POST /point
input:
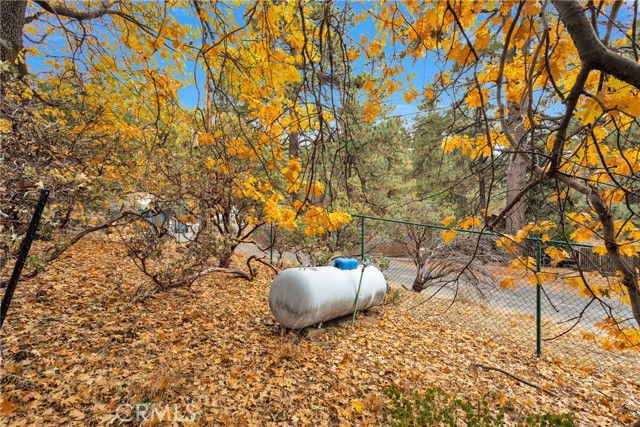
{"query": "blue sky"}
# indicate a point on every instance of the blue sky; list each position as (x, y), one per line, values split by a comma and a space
(423, 69)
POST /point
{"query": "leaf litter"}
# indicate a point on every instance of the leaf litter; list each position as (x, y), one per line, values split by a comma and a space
(86, 339)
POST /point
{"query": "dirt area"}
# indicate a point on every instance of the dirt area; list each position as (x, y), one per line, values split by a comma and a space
(84, 343)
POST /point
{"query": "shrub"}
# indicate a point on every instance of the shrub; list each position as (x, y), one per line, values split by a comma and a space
(436, 408)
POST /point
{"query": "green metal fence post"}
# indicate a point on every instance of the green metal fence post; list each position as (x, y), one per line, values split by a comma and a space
(362, 239)
(271, 243)
(538, 299)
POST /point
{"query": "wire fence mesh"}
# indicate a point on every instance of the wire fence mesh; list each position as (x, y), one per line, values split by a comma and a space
(526, 295)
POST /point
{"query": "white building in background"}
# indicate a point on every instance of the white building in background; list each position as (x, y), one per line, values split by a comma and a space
(181, 231)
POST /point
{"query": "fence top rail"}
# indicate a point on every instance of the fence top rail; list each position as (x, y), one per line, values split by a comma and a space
(470, 231)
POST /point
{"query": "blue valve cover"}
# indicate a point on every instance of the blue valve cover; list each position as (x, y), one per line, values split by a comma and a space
(345, 263)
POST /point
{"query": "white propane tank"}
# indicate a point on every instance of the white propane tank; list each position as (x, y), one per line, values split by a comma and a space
(301, 297)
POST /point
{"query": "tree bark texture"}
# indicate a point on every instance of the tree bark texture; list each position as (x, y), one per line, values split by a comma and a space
(517, 172)
(12, 14)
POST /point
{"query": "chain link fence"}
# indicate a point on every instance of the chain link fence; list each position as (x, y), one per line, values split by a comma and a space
(525, 294)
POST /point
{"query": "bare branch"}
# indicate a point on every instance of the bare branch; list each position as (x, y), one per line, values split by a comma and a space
(517, 378)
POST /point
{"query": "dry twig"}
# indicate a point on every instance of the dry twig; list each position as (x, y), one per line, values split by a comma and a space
(517, 378)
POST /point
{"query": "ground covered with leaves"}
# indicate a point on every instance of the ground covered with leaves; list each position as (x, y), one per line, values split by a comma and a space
(85, 342)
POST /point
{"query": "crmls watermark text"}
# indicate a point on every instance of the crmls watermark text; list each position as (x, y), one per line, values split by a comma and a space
(151, 412)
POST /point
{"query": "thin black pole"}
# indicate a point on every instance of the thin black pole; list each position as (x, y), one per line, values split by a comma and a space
(22, 256)
(362, 239)
(271, 243)
(538, 299)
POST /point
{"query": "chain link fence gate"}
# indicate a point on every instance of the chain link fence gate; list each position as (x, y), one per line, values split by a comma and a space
(464, 277)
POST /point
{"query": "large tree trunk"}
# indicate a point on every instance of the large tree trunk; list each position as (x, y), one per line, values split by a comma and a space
(294, 151)
(294, 144)
(517, 172)
(516, 181)
(482, 194)
(482, 186)
(12, 13)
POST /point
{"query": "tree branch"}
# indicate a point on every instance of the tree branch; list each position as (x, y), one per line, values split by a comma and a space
(33, 17)
(87, 15)
(75, 239)
(517, 378)
(74, 14)
(591, 50)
